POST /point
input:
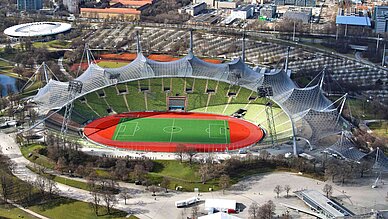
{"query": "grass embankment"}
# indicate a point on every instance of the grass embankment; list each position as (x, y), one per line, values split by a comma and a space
(54, 207)
(379, 128)
(9, 211)
(54, 44)
(31, 152)
(180, 174)
(68, 208)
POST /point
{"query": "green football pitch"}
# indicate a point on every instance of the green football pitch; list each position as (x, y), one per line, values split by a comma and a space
(172, 130)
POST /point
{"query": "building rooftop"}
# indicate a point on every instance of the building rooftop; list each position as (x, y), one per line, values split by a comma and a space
(193, 6)
(111, 10)
(132, 2)
(37, 29)
(353, 20)
(244, 8)
(313, 196)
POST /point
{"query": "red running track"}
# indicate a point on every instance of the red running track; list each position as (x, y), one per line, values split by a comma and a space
(242, 133)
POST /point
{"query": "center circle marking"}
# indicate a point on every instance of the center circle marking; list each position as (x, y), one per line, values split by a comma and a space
(172, 129)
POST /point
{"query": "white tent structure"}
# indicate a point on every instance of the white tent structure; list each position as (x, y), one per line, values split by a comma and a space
(219, 215)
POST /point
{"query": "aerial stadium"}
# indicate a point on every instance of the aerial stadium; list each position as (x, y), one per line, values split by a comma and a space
(156, 106)
(37, 29)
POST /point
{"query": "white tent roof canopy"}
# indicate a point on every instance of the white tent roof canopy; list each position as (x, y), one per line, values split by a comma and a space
(219, 215)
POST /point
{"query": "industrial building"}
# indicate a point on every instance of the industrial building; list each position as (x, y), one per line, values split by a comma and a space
(380, 18)
(131, 3)
(29, 5)
(243, 12)
(219, 3)
(322, 205)
(72, 6)
(301, 3)
(193, 10)
(124, 13)
(304, 14)
(268, 11)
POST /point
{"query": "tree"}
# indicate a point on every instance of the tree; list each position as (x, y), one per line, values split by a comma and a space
(154, 189)
(328, 190)
(264, 155)
(278, 189)
(194, 212)
(267, 210)
(40, 184)
(180, 152)
(204, 172)
(287, 188)
(61, 165)
(125, 195)
(95, 200)
(253, 210)
(109, 199)
(165, 183)
(51, 187)
(224, 182)
(138, 172)
(5, 184)
(190, 152)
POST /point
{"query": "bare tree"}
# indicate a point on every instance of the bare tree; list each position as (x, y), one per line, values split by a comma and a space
(253, 210)
(125, 195)
(278, 189)
(61, 165)
(224, 182)
(287, 188)
(267, 210)
(204, 172)
(328, 190)
(194, 212)
(51, 187)
(139, 172)
(264, 155)
(5, 184)
(190, 152)
(165, 183)
(109, 199)
(95, 200)
(180, 152)
(154, 189)
(40, 184)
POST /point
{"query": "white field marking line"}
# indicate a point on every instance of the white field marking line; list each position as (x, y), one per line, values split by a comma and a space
(173, 123)
(220, 126)
(118, 131)
(226, 136)
(137, 128)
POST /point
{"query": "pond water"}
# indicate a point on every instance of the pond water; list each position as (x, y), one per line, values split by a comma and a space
(6, 81)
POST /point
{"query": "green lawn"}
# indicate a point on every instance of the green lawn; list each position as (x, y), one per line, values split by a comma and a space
(13, 212)
(31, 153)
(180, 174)
(111, 64)
(379, 128)
(172, 130)
(67, 208)
(56, 44)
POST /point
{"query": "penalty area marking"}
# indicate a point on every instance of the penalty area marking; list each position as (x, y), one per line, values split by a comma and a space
(218, 130)
(133, 127)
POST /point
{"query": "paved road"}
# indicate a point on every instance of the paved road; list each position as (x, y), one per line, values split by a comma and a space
(359, 199)
(63, 70)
